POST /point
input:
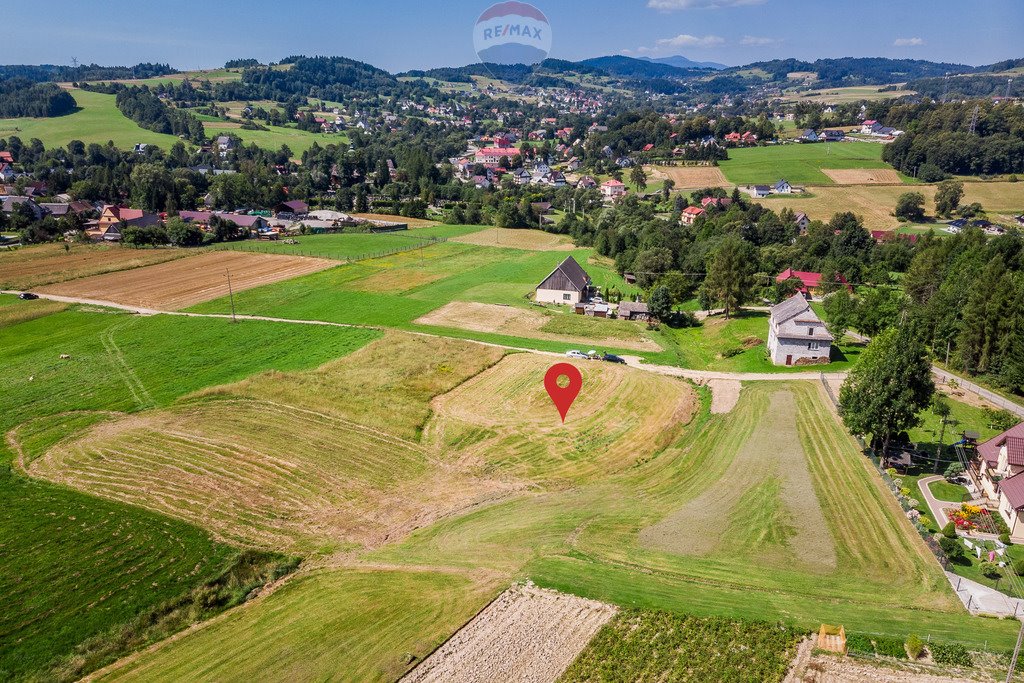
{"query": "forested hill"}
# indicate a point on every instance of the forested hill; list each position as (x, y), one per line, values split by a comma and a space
(22, 97)
(329, 78)
(848, 71)
(85, 72)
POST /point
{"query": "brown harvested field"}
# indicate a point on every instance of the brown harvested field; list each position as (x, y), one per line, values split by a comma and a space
(522, 322)
(812, 666)
(530, 240)
(411, 222)
(527, 634)
(768, 490)
(690, 176)
(863, 176)
(875, 203)
(185, 282)
(725, 394)
(45, 264)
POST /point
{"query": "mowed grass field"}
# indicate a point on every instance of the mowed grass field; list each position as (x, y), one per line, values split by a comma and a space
(799, 164)
(397, 290)
(579, 527)
(98, 120)
(341, 247)
(75, 566)
(298, 141)
(875, 203)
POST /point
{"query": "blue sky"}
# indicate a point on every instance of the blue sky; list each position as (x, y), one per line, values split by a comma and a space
(405, 34)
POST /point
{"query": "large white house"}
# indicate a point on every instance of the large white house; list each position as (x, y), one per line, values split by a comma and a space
(1000, 470)
(567, 284)
(796, 335)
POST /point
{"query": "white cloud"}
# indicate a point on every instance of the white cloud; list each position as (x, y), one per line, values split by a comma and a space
(908, 42)
(759, 41)
(665, 45)
(674, 5)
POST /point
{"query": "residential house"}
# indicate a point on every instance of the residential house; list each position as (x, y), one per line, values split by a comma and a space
(832, 135)
(555, 179)
(998, 471)
(613, 189)
(111, 220)
(691, 214)
(200, 219)
(802, 221)
(782, 187)
(586, 183)
(521, 176)
(810, 282)
(567, 284)
(226, 143)
(956, 227)
(717, 202)
(624, 162)
(10, 204)
(7, 173)
(809, 136)
(734, 138)
(869, 127)
(758, 191)
(492, 155)
(748, 138)
(6, 157)
(796, 335)
(573, 165)
(634, 310)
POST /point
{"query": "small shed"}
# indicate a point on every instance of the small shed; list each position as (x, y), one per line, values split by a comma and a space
(832, 639)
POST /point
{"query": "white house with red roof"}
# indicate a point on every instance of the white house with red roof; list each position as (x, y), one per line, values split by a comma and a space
(869, 126)
(1000, 469)
(613, 189)
(491, 155)
(691, 214)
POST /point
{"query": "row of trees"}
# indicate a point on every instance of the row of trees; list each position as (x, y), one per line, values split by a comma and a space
(21, 97)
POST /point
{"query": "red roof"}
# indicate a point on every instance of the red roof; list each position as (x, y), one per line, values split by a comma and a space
(611, 183)
(648, 147)
(1013, 487)
(498, 151)
(808, 279)
(1014, 440)
(693, 211)
(870, 122)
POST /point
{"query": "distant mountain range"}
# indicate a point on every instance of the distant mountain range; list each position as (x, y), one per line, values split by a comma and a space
(681, 62)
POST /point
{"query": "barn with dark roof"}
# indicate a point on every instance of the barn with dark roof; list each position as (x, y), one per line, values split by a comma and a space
(567, 284)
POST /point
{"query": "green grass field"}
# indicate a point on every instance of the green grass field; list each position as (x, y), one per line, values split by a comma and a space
(75, 566)
(298, 141)
(799, 164)
(342, 247)
(98, 120)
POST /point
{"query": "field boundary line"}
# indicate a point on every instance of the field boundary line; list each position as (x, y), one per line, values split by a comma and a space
(143, 398)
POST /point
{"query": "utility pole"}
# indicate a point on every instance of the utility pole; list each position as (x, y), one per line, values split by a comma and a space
(974, 118)
(231, 295)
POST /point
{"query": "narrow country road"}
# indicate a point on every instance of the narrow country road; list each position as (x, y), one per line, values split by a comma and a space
(933, 503)
(631, 361)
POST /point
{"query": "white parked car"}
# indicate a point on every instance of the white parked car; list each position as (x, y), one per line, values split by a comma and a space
(576, 354)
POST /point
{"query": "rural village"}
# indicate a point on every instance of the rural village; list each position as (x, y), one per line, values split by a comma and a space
(277, 338)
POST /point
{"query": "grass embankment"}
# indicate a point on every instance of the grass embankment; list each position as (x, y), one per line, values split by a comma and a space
(76, 567)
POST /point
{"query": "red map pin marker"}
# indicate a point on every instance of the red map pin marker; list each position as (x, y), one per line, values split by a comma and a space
(563, 397)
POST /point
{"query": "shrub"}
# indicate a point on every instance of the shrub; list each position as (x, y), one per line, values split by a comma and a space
(913, 502)
(1004, 538)
(949, 531)
(990, 569)
(891, 472)
(953, 471)
(952, 548)
(952, 654)
(915, 646)
(855, 642)
(890, 647)
(905, 492)
(1018, 567)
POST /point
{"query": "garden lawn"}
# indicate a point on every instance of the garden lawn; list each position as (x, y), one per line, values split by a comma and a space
(709, 347)
(798, 163)
(951, 493)
(74, 566)
(97, 120)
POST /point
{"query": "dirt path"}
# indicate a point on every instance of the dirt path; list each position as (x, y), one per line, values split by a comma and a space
(527, 634)
(725, 394)
(632, 361)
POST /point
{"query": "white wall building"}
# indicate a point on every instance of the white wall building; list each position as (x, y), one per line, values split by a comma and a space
(796, 334)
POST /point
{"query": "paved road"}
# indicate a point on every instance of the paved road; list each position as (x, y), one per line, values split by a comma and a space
(978, 598)
(933, 503)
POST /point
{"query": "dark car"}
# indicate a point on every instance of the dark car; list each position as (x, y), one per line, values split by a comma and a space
(28, 296)
(612, 358)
